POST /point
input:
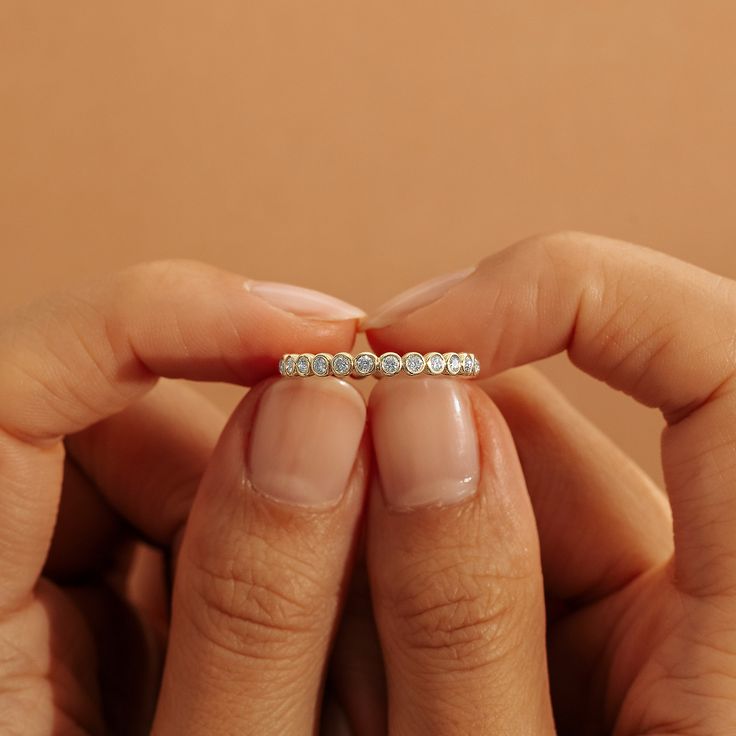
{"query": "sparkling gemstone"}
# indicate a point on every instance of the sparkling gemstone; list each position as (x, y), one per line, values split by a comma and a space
(435, 363)
(365, 364)
(414, 363)
(468, 364)
(302, 365)
(390, 364)
(320, 365)
(476, 367)
(453, 364)
(289, 366)
(282, 366)
(341, 365)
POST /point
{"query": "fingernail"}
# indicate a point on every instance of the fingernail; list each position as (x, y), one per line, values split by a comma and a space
(413, 299)
(303, 302)
(425, 441)
(305, 439)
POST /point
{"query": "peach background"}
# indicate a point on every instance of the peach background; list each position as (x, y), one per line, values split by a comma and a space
(360, 147)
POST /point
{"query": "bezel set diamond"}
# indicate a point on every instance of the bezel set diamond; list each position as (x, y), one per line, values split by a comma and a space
(367, 364)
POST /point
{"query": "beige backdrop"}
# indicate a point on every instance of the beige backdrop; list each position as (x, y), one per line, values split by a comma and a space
(360, 147)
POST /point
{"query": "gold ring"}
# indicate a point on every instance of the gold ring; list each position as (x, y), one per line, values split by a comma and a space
(362, 365)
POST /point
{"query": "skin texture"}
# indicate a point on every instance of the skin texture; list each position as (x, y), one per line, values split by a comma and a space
(565, 593)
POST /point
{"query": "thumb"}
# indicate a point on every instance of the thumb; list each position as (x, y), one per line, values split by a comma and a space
(262, 563)
(454, 565)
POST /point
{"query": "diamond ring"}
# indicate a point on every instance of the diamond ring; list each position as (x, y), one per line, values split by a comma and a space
(367, 364)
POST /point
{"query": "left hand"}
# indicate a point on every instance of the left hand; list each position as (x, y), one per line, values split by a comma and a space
(96, 454)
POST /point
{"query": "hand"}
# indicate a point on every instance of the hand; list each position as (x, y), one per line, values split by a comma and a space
(451, 538)
(257, 586)
(640, 633)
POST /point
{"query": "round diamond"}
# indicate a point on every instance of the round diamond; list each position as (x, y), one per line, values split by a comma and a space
(468, 364)
(435, 363)
(282, 366)
(414, 363)
(365, 364)
(320, 365)
(476, 367)
(390, 364)
(302, 365)
(341, 364)
(453, 364)
(289, 365)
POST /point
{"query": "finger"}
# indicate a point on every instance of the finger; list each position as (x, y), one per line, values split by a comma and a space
(603, 527)
(133, 476)
(76, 358)
(652, 326)
(263, 563)
(579, 479)
(146, 462)
(454, 565)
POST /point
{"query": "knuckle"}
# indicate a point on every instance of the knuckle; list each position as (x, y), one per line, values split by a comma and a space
(150, 276)
(155, 269)
(555, 248)
(261, 605)
(552, 265)
(138, 284)
(464, 616)
(559, 245)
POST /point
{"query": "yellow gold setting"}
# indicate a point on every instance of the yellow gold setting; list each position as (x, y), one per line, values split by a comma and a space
(364, 364)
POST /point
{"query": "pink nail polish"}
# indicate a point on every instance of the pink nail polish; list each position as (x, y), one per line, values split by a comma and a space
(305, 439)
(425, 441)
(303, 302)
(412, 299)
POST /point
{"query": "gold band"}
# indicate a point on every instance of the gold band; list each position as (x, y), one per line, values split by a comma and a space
(366, 364)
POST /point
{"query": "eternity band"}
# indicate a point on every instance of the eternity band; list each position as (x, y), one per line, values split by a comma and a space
(363, 365)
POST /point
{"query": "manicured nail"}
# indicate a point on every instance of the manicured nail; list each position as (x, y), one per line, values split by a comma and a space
(425, 441)
(305, 439)
(413, 299)
(303, 302)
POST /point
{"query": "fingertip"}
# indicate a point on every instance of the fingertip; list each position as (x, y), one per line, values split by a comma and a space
(213, 324)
